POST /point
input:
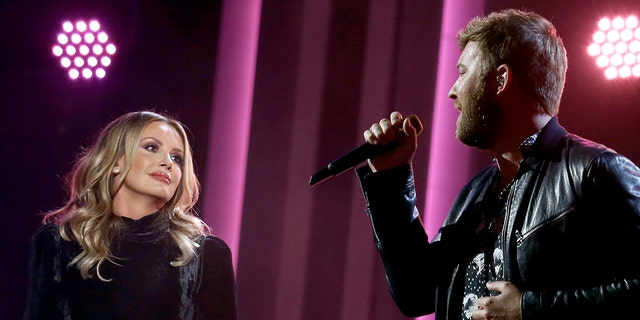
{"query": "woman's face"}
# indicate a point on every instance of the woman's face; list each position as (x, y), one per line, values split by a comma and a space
(156, 170)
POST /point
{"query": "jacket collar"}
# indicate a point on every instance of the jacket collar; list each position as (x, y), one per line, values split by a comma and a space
(543, 143)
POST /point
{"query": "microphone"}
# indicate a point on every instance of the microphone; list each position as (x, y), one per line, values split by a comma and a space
(358, 155)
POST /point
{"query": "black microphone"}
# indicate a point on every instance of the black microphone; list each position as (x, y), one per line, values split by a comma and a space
(358, 155)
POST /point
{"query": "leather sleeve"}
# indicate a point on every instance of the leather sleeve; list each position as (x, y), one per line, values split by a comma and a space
(400, 238)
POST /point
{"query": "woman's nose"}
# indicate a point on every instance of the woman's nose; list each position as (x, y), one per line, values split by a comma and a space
(165, 161)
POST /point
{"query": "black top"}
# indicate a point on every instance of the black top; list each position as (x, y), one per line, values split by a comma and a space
(143, 284)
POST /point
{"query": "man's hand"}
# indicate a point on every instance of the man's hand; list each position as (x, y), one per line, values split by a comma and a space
(504, 306)
(394, 129)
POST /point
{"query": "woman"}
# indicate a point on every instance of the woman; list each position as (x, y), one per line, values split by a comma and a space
(127, 244)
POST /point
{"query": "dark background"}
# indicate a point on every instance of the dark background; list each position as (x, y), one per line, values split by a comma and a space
(166, 62)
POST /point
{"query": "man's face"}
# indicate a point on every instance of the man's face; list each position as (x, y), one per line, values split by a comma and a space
(478, 114)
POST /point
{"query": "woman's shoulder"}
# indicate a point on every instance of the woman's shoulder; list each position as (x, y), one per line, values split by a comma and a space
(45, 240)
(47, 232)
(213, 246)
(214, 243)
(216, 259)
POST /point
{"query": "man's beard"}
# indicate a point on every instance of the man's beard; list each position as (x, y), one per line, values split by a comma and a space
(477, 120)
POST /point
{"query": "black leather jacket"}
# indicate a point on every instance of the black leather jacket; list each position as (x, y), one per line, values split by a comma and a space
(571, 231)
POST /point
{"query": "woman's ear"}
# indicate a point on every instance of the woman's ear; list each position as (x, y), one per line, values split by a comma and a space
(116, 169)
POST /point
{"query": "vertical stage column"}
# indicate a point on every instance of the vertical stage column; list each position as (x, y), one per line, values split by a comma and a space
(231, 120)
(449, 160)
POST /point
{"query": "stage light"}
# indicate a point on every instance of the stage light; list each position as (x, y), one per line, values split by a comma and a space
(615, 47)
(79, 47)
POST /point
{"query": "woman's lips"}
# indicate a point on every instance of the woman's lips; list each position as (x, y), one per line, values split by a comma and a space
(161, 176)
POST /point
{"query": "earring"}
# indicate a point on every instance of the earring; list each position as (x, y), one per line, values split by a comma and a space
(116, 170)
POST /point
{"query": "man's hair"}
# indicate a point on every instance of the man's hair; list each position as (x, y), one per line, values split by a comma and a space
(529, 44)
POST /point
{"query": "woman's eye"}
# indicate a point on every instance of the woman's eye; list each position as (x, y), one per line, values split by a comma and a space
(151, 147)
(177, 159)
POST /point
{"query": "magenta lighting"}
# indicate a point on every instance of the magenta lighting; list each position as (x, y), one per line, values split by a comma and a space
(616, 47)
(83, 49)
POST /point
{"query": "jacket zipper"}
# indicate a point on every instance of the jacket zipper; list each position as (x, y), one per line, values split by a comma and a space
(520, 237)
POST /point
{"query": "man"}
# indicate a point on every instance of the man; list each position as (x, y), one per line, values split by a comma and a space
(550, 230)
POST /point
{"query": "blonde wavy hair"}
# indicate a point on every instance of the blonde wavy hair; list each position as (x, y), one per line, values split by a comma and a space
(87, 216)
